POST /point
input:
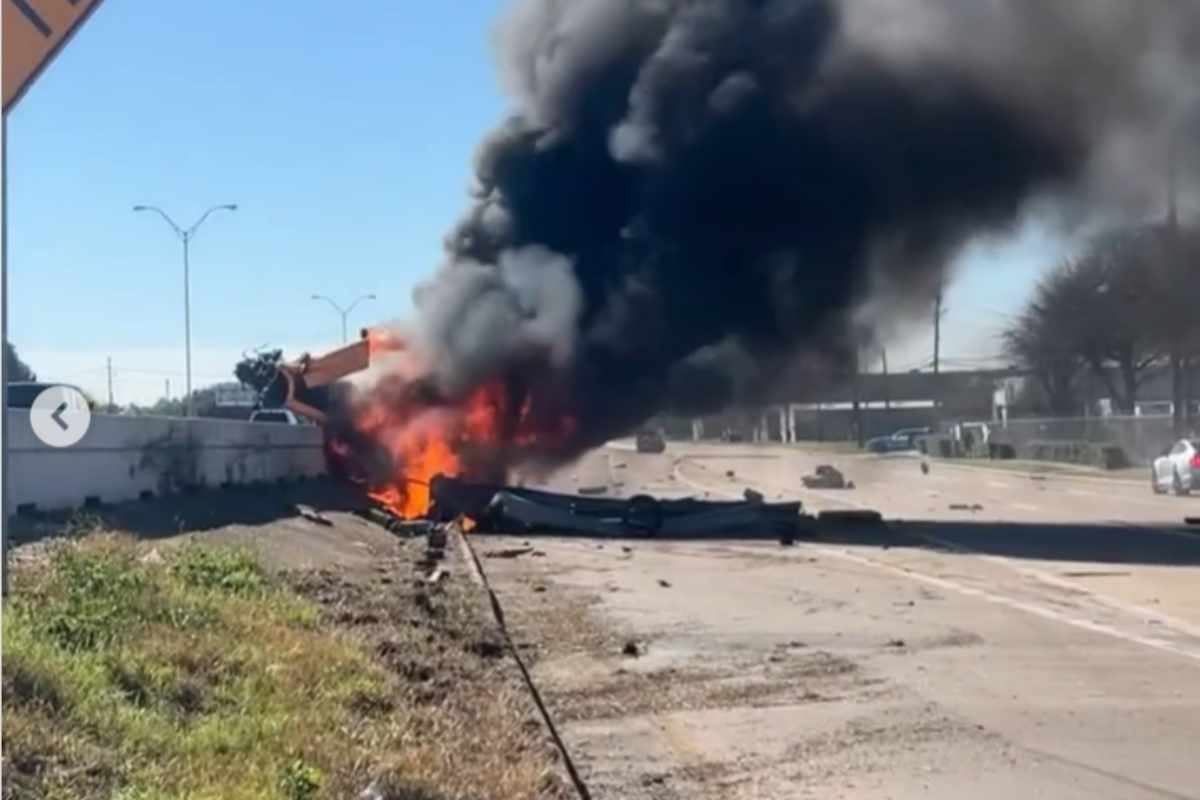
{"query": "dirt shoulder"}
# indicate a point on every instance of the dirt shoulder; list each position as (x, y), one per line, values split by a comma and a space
(291, 659)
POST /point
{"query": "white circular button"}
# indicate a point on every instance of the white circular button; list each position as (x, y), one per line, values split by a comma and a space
(60, 416)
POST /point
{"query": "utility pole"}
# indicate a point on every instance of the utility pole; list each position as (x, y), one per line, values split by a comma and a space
(887, 393)
(167, 388)
(110, 394)
(937, 355)
(1179, 366)
(857, 416)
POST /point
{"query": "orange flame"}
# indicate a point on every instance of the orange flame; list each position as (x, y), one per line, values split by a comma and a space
(425, 438)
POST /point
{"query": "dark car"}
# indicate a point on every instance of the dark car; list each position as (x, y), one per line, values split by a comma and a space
(650, 442)
(21, 394)
(903, 439)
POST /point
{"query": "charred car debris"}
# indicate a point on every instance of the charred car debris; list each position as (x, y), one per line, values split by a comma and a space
(520, 511)
(305, 387)
(508, 509)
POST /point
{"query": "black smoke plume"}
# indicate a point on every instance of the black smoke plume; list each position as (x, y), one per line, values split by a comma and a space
(692, 194)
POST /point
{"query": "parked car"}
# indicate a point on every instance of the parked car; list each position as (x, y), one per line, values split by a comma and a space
(650, 442)
(21, 394)
(1177, 469)
(903, 439)
(277, 415)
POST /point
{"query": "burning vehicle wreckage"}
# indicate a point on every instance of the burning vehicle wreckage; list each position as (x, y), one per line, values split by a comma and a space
(436, 483)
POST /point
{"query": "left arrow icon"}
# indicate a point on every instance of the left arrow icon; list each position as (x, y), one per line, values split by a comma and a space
(57, 416)
(60, 416)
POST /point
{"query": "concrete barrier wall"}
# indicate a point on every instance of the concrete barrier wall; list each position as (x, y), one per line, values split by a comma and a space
(120, 458)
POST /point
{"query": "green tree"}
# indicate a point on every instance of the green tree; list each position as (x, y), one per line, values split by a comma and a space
(14, 368)
(259, 370)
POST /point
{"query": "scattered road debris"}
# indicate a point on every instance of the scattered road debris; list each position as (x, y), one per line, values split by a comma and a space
(895, 643)
(510, 552)
(826, 476)
(512, 510)
(966, 507)
(437, 576)
(924, 467)
(631, 649)
(730, 473)
(596, 489)
(311, 514)
(664, 584)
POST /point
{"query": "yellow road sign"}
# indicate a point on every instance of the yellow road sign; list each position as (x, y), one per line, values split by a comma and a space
(34, 32)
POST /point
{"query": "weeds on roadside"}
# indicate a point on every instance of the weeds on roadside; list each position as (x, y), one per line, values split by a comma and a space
(134, 675)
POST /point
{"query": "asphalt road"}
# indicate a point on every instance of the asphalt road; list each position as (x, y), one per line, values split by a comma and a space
(1044, 644)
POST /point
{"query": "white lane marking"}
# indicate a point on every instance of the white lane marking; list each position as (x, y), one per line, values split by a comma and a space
(997, 599)
(1018, 605)
(999, 485)
(1084, 493)
(1026, 506)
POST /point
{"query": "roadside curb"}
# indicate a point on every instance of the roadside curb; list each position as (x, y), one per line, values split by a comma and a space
(480, 578)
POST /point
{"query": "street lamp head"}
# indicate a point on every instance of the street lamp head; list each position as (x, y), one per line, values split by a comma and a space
(140, 208)
(316, 297)
(230, 206)
(372, 297)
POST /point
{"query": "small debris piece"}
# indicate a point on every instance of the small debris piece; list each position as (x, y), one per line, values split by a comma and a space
(753, 496)
(539, 588)
(896, 643)
(595, 489)
(924, 467)
(486, 648)
(965, 507)
(509, 552)
(311, 514)
(796, 643)
(437, 538)
(625, 549)
(538, 554)
(437, 576)
(729, 473)
(664, 584)
(631, 649)
(619, 465)
(826, 476)
(850, 515)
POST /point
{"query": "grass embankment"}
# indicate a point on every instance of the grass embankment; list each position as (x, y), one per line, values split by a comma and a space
(200, 675)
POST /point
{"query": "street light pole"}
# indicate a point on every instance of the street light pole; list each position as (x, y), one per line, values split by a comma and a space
(185, 236)
(344, 313)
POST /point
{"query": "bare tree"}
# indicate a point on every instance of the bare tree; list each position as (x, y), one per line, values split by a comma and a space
(1040, 342)
(1115, 322)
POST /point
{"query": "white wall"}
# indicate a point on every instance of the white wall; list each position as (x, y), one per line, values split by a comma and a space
(120, 457)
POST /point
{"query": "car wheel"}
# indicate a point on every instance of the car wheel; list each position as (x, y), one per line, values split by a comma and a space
(1154, 482)
(1177, 484)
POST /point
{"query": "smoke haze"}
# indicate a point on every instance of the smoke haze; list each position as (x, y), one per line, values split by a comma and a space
(691, 195)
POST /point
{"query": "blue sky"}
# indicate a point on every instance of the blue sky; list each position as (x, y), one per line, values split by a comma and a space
(345, 134)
